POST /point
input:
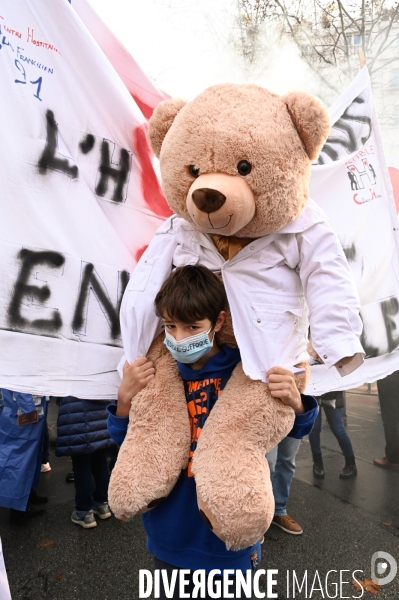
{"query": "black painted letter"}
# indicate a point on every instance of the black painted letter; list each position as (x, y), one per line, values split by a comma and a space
(390, 308)
(119, 175)
(30, 260)
(48, 159)
(91, 281)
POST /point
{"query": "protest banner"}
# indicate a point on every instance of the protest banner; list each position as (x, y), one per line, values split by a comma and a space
(79, 199)
(80, 202)
(351, 182)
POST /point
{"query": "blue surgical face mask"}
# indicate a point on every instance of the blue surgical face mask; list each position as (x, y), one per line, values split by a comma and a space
(190, 349)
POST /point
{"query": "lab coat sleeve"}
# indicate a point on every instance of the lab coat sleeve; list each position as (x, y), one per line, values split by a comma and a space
(139, 322)
(332, 298)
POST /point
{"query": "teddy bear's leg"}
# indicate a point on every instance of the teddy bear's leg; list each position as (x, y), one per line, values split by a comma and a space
(234, 491)
(157, 442)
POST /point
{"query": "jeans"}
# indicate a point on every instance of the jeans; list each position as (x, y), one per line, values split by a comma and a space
(388, 392)
(281, 461)
(334, 419)
(188, 589)
(85, 467)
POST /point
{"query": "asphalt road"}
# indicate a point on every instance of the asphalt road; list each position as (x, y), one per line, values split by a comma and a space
(345, 523)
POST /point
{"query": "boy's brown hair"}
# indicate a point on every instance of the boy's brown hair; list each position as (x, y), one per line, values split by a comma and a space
(190, 294)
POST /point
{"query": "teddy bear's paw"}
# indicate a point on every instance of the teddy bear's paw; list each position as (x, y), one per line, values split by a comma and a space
(156, 446)
(128, 498)
(149, 464)
(235, 496)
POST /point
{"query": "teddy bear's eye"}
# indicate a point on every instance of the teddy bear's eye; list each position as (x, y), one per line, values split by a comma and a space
(193, 171)
(244, 167)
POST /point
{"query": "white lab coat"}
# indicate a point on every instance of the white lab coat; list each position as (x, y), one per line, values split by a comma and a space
(275, 286)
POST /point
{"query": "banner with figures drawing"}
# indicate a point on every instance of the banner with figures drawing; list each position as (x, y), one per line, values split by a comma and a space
(79, 197)
(351, 182)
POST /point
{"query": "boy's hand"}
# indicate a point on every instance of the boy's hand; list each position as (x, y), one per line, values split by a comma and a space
(135, 378)
(282, 386)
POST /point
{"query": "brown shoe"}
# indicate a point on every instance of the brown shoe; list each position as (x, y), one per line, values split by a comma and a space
(287, 524)
(385, 463)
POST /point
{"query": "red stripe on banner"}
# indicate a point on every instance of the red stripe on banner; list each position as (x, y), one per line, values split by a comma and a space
(394, 175)
(140, 252)
(145, 108)
(151, 189)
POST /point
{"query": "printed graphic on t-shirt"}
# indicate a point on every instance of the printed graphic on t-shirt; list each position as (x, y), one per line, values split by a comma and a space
(201, 397)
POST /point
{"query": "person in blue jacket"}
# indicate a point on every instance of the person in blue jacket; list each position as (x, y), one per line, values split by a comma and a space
(193, 303)
(82, 434)
(22, 423)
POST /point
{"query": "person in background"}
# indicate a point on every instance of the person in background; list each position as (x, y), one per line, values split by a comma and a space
(388, 393)
(281, 461)
(82, 434)
(332, 404)
(22, 422)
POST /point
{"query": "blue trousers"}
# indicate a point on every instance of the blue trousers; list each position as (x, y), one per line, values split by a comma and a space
(334, 419)
(85, 468)
(281, 461)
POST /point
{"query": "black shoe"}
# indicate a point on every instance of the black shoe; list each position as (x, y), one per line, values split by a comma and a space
(69, 477)
(31, 511)
(318, 471)
(34, 498)
(349, 469)
(318, 467)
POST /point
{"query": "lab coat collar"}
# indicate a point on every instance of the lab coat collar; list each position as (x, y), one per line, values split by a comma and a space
(311, 215)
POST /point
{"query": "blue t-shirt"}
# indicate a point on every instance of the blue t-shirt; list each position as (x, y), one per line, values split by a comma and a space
(176, 532)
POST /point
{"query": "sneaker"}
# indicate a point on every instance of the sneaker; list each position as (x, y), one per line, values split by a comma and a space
(318, 471)
(69, 477)
(385, 463)
(287, 524)
(45, 468)
(102, 510)
(84, 519)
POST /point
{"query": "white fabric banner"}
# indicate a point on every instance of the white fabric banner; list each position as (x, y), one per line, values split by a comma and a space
(79, 197)
(80, 202)
(351, 183)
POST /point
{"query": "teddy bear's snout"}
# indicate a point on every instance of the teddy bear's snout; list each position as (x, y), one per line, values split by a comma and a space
(208, 200)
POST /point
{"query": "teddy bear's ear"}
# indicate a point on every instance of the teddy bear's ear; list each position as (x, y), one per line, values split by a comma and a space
(161, 121)
(311, 120)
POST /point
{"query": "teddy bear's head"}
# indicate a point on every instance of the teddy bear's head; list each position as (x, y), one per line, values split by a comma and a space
(236, 159)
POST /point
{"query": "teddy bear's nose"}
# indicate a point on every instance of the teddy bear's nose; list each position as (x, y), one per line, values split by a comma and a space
(208, 200)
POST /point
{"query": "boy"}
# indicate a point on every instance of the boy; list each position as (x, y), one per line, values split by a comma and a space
(192, 303)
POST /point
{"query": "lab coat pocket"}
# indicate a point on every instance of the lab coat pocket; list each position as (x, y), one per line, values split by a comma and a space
(183, 257)
(276, 331)
(141, 275)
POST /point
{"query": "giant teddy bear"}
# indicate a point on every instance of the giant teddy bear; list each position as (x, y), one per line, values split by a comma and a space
(235, 166)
